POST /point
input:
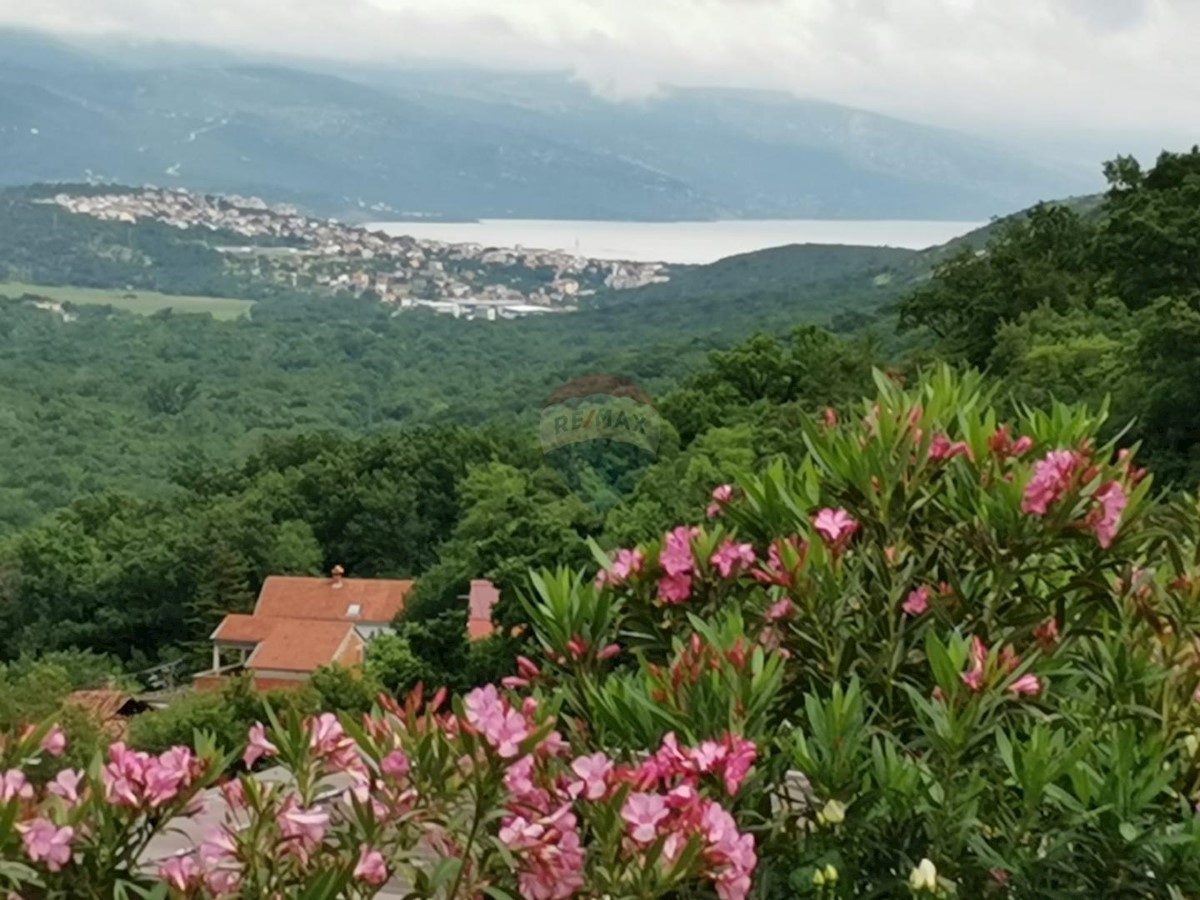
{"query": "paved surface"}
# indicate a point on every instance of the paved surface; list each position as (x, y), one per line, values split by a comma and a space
(184, 834)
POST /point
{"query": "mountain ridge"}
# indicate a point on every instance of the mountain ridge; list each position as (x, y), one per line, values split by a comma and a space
(473, 145)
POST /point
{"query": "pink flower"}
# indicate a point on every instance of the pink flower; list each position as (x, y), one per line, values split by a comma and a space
(593, 772)
(1107, 519)
(55, 742)
(739, 758)
(219, 863)
(676, 556)
(627, 563)
(395, 764)
(44, 842)
(234, 794)
(518, 781)
(371, 867)
(166, 775)
(780, 609)
(643, 812)
(731, 558)
(729, 852)
(1028, 684)
(501, 726)
(14, 784)
(303, 829)
(1052, 477)
(258, 746)
(609, 651)
(66, 785)
(830, 417)
(180, 872)
(674, 589)
(549, 853)
(917, 602)
(721, 497)
(836, 526)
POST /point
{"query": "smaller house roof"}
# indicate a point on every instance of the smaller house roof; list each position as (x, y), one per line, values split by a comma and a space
(359, 600)
(110, 709)
(298, 645)
(239, 628)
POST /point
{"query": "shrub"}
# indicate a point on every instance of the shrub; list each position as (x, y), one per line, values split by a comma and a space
(972, 645)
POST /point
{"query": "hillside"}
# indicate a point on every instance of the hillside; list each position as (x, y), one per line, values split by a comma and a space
(478, 144)
(94, 397)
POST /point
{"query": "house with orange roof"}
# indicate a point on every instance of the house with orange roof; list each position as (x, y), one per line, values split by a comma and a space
(301, 624)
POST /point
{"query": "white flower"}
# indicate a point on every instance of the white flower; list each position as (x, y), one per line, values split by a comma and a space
(924, 876)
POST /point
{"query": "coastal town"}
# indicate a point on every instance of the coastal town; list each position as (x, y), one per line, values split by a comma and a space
(280, 243)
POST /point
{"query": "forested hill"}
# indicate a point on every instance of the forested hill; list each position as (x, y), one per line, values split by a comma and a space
(94, 398)
(103, 398)
(238, 447)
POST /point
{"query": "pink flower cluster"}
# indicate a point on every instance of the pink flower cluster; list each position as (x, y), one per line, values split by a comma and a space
(732, 558)
(46, 842)
(1057, 474)
(492, 716)
(625, 564)
(728, 760)
(139, 780)
(669, 808)
(678, 565)
(1052, 477)
(542, 828)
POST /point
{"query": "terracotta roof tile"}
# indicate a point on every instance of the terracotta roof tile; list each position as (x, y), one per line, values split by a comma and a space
(304, 645)
(356, 600)
(243, 629)
(108, 708)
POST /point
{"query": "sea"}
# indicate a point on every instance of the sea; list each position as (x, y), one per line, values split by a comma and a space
(693, 243)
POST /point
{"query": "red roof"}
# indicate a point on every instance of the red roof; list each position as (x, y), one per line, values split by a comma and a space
(344, 599)
(240, 628)
(299, 645)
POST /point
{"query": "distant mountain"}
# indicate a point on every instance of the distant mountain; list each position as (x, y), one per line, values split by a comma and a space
(482, 144)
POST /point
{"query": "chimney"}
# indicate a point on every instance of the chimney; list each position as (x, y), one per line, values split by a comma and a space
(338, 572)
(480, 602)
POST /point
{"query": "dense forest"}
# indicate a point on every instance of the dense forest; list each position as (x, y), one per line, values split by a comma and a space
(181, 459)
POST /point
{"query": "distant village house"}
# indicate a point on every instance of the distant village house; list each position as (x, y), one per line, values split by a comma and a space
(301, 624)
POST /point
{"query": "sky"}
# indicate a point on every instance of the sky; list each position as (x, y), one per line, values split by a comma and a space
(1058, 66)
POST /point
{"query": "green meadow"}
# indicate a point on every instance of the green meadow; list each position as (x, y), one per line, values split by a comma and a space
(142, 302)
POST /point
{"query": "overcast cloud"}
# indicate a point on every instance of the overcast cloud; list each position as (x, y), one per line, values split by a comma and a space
(1129, 65)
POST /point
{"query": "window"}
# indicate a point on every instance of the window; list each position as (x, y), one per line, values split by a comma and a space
(354, 610)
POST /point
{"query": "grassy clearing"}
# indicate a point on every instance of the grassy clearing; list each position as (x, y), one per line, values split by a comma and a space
(142, 302)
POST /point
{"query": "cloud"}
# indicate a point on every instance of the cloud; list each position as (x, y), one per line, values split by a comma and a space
(985, 64)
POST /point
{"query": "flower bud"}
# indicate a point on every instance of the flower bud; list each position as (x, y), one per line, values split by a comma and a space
(924, 876)
(833, 813)
(831, 874)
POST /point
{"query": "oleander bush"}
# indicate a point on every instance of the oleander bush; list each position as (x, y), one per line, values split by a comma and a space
(938, 655)
(973, 645)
